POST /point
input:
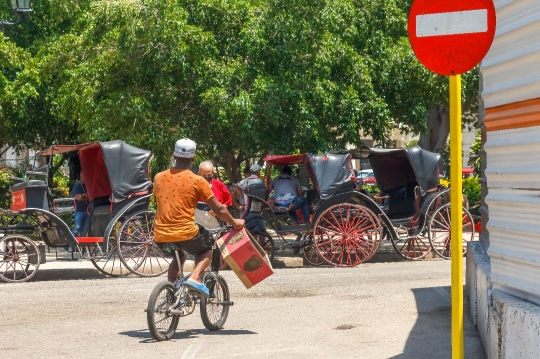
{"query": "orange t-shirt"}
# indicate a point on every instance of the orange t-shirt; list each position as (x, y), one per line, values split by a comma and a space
(177, 193)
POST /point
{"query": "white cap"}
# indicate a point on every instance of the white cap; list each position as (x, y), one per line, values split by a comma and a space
(255, 167)
(185, 148)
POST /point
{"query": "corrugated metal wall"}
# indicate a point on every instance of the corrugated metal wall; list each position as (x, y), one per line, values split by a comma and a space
(511, 88)
(511, 69)
(514, 211)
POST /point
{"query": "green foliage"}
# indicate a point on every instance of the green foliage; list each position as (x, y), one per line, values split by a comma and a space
(5, 194)
(476, 147)
(473, 190)
(243, 78)
(411, 143)
(371, 188)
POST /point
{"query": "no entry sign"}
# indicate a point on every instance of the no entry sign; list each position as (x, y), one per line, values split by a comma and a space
(451, 37)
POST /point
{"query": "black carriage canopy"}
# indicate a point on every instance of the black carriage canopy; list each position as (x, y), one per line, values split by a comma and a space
(111, 169)
(399, 167)
(334, 173)
(330, 172)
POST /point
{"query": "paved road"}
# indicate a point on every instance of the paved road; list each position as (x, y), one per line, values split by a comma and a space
(380, 310)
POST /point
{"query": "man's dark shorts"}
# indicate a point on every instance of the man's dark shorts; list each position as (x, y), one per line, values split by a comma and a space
(202, 242)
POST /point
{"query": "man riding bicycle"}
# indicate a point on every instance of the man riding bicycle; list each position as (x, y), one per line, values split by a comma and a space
(177, 191)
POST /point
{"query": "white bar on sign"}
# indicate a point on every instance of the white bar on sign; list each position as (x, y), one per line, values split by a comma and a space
(452, 23)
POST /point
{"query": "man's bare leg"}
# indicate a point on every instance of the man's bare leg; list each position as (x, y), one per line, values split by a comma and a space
(202, 260)
(174, 272)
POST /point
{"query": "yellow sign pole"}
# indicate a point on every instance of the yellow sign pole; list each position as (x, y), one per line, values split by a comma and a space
(456, 217)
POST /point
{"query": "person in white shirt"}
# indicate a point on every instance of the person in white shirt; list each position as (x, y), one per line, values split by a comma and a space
(241, 186)
(238, 198)
(287, 191)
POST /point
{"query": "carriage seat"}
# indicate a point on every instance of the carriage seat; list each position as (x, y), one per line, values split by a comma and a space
(100, 211)
(100, 202)
(401, 200)
(28, 184)
(257, 190)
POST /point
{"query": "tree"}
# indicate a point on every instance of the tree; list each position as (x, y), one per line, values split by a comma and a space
(18, 83)
(243, 78)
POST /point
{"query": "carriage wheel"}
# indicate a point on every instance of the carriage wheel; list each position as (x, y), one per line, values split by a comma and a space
(137, 248)
(312, 255)
(346, 235)
(411, 248)
(440, 230)
(267, 243)
(108, 262)
(19, 259)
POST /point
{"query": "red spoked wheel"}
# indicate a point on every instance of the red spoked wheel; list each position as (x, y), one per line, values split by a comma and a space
(346, 235)
(440, 233)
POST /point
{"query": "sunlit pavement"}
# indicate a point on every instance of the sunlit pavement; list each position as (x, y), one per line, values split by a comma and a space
(379, 310)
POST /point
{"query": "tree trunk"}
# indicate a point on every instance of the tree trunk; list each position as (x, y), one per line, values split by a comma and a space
(438, 129)
(233, 168)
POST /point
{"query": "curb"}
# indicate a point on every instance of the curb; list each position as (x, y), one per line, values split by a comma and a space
(81, 270)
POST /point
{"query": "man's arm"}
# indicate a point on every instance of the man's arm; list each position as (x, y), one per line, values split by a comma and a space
(238, 191)
(221, 212)
(236, 204)
(299, 189)
(79, 193)
(81, 197)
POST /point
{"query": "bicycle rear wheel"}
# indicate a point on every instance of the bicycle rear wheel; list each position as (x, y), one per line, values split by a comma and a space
(161, 323)
(267, 243)
(214, 311)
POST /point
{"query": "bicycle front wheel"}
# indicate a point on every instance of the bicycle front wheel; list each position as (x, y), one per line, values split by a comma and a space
(214, 310)
(161, 323)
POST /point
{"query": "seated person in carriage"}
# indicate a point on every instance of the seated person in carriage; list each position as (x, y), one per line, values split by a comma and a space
(288, 193)
(177, 191)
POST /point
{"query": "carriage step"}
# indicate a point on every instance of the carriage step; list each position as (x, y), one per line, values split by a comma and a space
(89, 239)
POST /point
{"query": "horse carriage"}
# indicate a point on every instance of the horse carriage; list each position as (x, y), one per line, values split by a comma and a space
(119, 239)
(412, 204)
(348, 223)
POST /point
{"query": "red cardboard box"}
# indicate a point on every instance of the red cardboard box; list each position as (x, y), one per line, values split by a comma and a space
(245, 257)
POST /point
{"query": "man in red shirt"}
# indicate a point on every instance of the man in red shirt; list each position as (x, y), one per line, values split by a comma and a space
(220, 190)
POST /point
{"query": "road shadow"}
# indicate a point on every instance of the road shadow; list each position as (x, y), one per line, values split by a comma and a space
(45, 275)
(430, 337)
(186, 334)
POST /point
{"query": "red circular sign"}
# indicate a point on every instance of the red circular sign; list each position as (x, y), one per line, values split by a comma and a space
(451, 37)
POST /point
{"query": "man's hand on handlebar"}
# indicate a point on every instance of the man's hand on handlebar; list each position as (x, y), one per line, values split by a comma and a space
(238, 224)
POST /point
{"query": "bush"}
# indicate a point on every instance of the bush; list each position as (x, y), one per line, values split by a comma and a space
(5, 194)
(471, 188)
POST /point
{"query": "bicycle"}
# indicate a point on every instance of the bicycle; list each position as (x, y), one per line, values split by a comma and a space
(170, 301)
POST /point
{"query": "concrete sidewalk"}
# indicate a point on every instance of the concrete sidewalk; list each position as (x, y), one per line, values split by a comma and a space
(63, 268)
